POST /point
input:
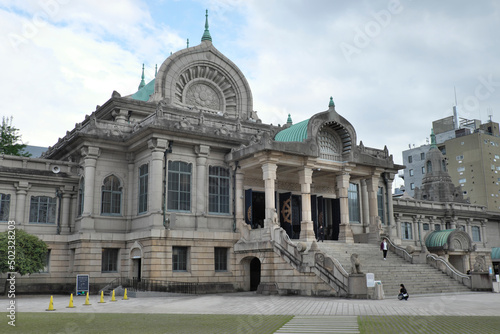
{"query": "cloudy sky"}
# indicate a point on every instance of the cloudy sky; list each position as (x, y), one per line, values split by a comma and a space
(391, 66)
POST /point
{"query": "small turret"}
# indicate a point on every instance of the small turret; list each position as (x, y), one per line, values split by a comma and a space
(206, 34)
(142, 84)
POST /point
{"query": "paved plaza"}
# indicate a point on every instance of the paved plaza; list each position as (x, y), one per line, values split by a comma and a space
(470, 304)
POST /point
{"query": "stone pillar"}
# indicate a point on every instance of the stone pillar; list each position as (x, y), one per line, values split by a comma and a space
(90, 155)
(306, 225)
(133, 183)
(202, 152)
(72, 212)
(345, 232)
(390, 210)
(65, 213)
(372, 186)
(155, 198)
(365, 208)
(468, 226)
(21, 191)
(483, 232)
(240, 195)
(269, 176)
(397, 222)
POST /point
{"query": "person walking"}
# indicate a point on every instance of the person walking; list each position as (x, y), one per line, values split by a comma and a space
(384, 247)
(403, 294)
(321, 233)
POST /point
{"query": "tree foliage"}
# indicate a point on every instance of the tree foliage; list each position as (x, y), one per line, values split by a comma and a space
(10, 139)
(30, 252)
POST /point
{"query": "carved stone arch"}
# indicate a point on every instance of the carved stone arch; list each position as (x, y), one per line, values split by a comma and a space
(204, 70)
(334, 140)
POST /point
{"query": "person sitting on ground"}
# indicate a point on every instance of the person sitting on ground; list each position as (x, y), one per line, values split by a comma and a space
(403, 294)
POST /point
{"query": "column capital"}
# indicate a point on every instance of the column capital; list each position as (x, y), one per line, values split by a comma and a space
(157, 144)
(22, 186)
(90, 152)
(305, 175)
(202, 150)
(269, 171)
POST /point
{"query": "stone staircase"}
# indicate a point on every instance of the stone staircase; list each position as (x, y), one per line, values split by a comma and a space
(417, 278)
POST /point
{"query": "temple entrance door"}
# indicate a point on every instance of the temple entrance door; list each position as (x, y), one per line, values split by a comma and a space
(255, 208)
(285, 212)
(335, 218)
(254, 274)
(296, 216)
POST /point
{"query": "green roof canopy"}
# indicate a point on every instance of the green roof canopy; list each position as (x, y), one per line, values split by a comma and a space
(495, 253)
(438, 238)
(296, 132)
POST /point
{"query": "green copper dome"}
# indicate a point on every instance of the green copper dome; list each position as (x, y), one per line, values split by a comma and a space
(296, 132)
(145, 92)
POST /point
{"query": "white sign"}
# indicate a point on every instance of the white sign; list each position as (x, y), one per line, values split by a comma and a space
(370, 280)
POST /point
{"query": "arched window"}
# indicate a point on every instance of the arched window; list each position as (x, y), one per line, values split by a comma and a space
(218, 190)
(43, 209)
(81, 196)
(111, 196)
(179, 186)
(429, 167)
(143, 188)
(4, 207)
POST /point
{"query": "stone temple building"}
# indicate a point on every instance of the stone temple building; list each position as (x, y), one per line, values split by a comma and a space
(182, 182)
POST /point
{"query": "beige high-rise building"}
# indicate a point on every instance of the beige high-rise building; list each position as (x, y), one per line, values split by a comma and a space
(474, 164)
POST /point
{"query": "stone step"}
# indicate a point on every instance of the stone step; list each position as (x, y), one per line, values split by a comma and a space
(418, 278)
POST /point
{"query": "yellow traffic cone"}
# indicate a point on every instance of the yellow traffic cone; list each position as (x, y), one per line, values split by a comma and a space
(70, 302)
(113, 297)
(125, 295)
(87, 300)
(102, 298)
(51, 305)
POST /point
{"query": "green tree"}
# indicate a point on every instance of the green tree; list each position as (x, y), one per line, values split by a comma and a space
(10, 139)
(29, 252)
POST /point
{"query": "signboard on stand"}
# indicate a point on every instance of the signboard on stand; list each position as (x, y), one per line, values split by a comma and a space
(82, 285)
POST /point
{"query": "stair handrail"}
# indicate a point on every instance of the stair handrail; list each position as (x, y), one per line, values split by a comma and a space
(452, 271)
(295, 259)
(400, 251)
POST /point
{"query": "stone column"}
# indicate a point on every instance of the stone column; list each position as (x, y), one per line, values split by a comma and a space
(345, 232)
(397, 222)
(90, 155)
(269, 176)
(155, 196)
(365, 207)
(372, 185)
(468, 227)
(202, 152)
(65, 213)
(483, 232)
(133, 184)
(390, 209)
(306, 225)
(240, 195)
(21, 191)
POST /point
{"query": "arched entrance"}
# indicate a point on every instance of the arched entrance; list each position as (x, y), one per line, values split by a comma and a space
(136, 257)
(254, 274)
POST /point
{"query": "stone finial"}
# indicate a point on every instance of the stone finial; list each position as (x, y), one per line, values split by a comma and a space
(289, 120)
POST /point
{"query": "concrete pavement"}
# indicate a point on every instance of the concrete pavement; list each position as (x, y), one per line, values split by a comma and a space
(469, 304)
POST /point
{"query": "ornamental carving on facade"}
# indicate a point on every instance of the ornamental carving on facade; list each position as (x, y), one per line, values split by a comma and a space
(203, 96)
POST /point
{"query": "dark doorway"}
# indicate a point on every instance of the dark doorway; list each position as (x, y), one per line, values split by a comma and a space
(255, 208)
(335, 218)
(254, 274)
(296, 216)
(136, 267)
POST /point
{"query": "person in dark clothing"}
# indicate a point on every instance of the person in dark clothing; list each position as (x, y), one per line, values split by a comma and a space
(403, 294)
(321, 233)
